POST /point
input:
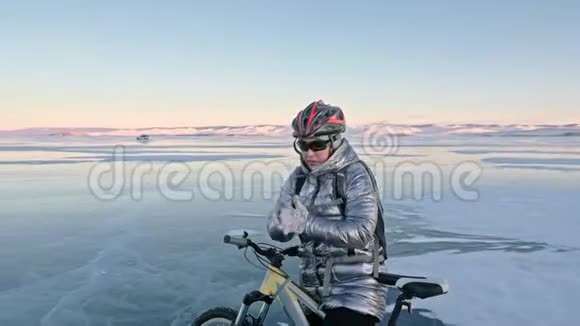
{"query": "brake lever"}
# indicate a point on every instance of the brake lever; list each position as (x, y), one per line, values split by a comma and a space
(291, 251)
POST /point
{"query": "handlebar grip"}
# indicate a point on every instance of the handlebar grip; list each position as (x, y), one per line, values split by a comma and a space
(240, 242)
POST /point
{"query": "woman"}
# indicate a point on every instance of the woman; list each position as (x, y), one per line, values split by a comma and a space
(339, 223)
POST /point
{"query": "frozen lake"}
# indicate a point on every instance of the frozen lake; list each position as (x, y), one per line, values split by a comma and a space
(145, 246)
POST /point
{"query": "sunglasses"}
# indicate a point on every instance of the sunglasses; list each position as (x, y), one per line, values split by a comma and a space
(315, 146)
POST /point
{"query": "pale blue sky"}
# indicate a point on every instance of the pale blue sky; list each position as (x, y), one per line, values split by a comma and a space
(180, 63)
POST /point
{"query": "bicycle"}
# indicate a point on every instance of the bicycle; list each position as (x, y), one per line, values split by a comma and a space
(277, 285)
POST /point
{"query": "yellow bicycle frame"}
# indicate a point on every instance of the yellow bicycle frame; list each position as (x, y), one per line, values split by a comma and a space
(288, 294)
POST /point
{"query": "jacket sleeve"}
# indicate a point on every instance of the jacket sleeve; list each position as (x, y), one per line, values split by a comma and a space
(276, 230)
(356, 230)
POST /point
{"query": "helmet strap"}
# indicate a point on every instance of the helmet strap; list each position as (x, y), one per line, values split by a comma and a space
(296, 147)
(331, 144)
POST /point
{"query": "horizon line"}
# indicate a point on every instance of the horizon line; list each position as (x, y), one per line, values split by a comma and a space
(289, 126)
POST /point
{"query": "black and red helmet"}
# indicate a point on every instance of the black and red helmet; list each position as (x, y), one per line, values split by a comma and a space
(318, 119)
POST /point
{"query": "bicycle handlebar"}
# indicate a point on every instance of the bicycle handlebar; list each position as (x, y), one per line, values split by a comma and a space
(245, 242)
(275, 256)
(240, 242)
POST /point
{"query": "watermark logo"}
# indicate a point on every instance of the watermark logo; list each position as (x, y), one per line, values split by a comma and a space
(263, 179)
(380, 140)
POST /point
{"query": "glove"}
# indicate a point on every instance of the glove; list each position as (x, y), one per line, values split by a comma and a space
(293, 220)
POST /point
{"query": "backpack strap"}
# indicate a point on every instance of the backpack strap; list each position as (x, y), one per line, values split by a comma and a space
(339, 189)
(300, 179)
(376, 260)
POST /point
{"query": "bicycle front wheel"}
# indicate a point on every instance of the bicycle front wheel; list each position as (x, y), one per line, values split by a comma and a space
(220, 316)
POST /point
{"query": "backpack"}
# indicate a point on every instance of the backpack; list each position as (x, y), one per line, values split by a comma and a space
(339, 191)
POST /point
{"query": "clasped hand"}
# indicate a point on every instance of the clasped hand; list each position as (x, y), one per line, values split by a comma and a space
(293, 219)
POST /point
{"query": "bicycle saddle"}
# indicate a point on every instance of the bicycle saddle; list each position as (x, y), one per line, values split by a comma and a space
(415, 286)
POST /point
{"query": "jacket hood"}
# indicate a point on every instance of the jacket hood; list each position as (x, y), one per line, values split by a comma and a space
(343, 156)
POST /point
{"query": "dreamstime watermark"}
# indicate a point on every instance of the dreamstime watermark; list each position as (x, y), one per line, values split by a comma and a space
(263, 180)
(380, 140)
(412, 180)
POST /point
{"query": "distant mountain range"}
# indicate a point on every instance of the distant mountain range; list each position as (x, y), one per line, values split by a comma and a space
(516, 130)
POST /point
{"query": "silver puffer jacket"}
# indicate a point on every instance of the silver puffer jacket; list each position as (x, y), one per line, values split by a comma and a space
(328, 233)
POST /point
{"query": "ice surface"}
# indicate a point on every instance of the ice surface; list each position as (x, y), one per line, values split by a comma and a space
(511, 257)
(533, 161)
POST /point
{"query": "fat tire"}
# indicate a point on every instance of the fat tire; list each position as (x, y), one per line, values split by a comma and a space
(218, 312)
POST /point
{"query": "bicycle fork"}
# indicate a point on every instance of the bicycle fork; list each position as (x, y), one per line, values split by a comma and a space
(249, 299)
